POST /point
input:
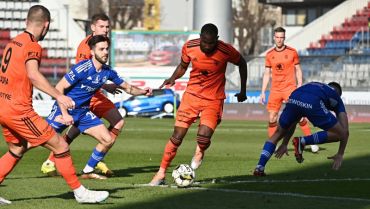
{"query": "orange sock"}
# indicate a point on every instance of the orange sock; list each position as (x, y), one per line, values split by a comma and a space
(305, 127)
(67, 139)
(169, 154)
(7, 162)
(65, 167)
(272, 128)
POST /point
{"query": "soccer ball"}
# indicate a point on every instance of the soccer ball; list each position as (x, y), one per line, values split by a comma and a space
(183, 175)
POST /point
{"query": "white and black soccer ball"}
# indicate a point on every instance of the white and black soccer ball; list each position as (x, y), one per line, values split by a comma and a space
(183, 175)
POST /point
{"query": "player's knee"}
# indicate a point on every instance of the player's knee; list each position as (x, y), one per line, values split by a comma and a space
(203, 141)
(119, 124)
(272, 124)
(115, 131)
(176, 140)
(303, 122)
(17, 151)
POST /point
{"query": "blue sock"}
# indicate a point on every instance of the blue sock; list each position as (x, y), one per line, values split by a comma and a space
(267, 151)
(95, 157)
(317, 138)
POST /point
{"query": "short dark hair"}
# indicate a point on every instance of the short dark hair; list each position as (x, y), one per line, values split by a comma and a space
(336, 86)
(99, 16)
(279, 29)
(38, 13)
(210, 29)
(96, 39)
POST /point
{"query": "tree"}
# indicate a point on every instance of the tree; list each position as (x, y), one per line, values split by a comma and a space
(249, 17)
(124, 14)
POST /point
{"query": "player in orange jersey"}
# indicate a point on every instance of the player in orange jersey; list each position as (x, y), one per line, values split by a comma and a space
(282, 66)
(204, 95)
(100, 105)
(23, 129)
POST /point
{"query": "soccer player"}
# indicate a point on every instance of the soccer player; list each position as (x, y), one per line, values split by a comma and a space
(22, 128)
(81, 83)
(314, 101)
(100, 105)
(204, 95)
(282, 66)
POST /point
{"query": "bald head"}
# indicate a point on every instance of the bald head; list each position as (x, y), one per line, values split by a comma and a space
(38, 14)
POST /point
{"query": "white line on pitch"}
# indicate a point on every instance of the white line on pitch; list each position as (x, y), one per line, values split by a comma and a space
(286, 181)
(281, 194)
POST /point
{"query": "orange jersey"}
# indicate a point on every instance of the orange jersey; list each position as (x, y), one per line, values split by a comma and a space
(207, 77)
(83, 50)
(15, 86)
(282, 64)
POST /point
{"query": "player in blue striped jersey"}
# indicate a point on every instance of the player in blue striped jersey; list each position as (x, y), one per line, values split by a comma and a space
(315, 101)
(84, 79)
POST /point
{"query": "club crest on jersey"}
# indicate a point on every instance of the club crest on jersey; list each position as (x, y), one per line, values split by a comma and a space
(104, 79)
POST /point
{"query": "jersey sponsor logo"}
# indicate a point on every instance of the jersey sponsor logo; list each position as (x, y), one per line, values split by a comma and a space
(300, 103)
(88, 88)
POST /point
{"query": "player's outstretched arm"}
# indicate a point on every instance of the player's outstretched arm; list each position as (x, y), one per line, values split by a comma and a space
(265, 82)
(112, 88)
(61, 86)
(344, 135)
(40, 82)
(133, 90)
(243, 71)
(298, 74)
(178, 73)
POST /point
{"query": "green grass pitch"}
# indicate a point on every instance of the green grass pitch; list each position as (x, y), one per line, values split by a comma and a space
(223, 181)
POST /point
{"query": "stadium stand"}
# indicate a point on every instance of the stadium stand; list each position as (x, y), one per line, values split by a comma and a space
(352, 36)
(12, 22)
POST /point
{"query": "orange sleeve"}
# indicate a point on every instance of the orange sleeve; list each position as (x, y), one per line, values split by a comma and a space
(184, 54)
(32, 51)
(234, 55)
(267, 62)
(83, 52)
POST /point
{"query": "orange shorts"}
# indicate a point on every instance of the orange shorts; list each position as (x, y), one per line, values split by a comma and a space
(29, 127)
(276, 99)
(100, 104)
(210, 111)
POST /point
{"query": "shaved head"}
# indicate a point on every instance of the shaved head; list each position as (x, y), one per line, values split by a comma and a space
(38, 14)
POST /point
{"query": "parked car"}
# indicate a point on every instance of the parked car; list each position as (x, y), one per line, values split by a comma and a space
(162, 100)
(166, 55)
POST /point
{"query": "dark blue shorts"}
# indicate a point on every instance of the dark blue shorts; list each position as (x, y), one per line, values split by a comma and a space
(83, 120)
(302, 104)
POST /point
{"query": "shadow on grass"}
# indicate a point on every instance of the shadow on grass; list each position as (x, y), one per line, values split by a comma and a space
(70, 195)
(127, 172)
(307, 187)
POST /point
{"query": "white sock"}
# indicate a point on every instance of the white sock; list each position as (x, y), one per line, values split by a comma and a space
(79, 190)
(88, 169)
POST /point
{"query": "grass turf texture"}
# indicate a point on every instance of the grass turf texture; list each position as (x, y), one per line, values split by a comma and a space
(223, 181)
